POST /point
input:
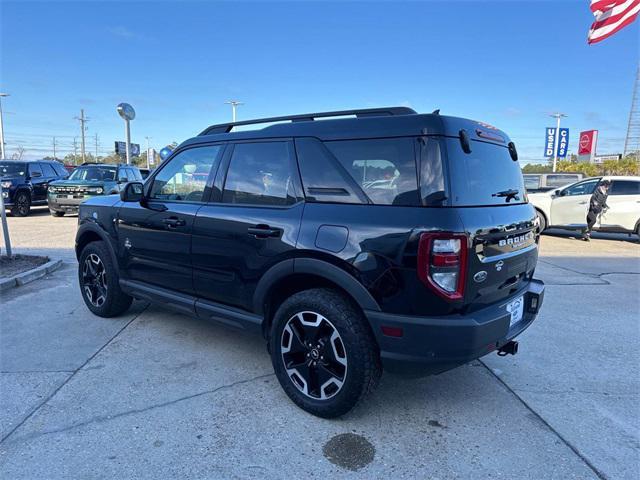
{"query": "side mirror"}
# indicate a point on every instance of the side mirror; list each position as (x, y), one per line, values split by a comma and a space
(132, 192)
(36, 174)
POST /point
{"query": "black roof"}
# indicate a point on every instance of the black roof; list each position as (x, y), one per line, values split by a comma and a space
(368, 123)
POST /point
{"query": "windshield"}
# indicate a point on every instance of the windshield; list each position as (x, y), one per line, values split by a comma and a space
(94, 173)
(486, 176)
(13, 168)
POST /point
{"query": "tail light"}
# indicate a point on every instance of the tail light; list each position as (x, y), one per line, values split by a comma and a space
(442, 263)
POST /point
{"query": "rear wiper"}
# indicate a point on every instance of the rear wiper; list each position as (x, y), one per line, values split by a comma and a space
(509, 194)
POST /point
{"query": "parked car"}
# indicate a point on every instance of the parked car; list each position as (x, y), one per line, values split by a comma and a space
(145, 172)
(25, 183)
(567, 207)
(281, 231)
(86, 181)
(543, 182)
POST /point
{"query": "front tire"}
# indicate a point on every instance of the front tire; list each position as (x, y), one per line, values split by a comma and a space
(323, 352)
(21, 205)
(99, 282)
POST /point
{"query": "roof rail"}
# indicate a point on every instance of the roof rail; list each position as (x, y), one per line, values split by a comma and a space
(307, 117)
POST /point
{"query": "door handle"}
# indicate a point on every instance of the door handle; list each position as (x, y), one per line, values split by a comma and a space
(173, 222)
(263, 231)
(582, 203)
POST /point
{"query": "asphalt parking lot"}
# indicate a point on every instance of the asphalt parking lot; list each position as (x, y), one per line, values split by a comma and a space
(154, 394)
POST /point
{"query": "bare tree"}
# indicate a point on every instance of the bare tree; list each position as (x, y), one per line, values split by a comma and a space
(17, 155)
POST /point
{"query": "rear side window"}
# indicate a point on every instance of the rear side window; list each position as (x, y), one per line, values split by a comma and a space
(323, 177)
(260, 174)
(34, 168)
(625, 187)
(385, 169)
(60, 170)
(47, 170)
(486, 176)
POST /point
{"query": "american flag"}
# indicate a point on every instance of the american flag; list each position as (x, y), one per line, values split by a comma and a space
(611, 16)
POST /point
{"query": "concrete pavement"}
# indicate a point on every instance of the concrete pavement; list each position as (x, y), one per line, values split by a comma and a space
(155, 394)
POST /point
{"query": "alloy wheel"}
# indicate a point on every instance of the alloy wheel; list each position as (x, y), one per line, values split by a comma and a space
(94, 281)
(314, 355)
(23, 204)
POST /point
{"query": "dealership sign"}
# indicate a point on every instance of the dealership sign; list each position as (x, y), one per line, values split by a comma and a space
(587, 142)
(121, 149)
(550, 142)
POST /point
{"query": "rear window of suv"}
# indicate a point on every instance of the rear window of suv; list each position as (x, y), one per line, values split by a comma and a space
(486, 176)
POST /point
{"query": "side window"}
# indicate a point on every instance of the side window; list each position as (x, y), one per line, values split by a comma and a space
(130, 175)
(584, 188)
(137, 175)
(60, 170)
(532, 182)
(432, 191)
(35, 168)
(47, 170)
(384, 168)
(625, 187)
(260, 174)
(323, 178)
(184, 177)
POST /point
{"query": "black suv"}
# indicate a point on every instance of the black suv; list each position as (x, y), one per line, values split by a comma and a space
(24, 184)
(386, 240)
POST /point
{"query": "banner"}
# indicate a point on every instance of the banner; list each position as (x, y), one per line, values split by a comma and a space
(550, 138)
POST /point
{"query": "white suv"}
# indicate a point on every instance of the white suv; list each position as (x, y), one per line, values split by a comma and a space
(567, 207)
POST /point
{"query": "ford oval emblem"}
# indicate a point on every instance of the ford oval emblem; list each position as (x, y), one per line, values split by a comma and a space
(480, 277)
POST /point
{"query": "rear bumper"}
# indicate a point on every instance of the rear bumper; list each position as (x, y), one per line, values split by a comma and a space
(431, 345)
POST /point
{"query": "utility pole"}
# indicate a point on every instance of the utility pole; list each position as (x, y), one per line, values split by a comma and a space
(556, 142)
(234, 104)
(82, 119)
(54, 148)
(96, 159)
(75, 150)
(2, 152)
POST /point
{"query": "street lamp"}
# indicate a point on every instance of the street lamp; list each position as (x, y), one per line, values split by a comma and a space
(556, 142)
(3, 214)
(2, 155)
(234, 104)
(127, 112)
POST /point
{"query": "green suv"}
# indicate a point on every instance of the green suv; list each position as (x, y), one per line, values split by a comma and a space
(87, 181)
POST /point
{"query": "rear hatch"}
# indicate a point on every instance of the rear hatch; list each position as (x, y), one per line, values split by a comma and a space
(487, 189)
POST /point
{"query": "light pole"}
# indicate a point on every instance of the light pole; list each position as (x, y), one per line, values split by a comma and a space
(127, 112)
(2, 155)
(234, 104)
(556, 141)
(3, 214)
(148, 165)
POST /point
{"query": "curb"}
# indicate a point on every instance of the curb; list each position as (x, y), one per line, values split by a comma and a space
(30, 275)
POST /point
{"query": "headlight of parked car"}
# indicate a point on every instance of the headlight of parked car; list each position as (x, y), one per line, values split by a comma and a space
(6, 184)
(51, 189)
(97, 190)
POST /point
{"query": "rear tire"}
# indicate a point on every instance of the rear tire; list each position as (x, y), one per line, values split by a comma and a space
(99, 282)
(542, 223)
(323, 352)
(21, 204)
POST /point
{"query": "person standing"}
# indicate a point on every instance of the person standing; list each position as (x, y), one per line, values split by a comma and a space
(597, 204)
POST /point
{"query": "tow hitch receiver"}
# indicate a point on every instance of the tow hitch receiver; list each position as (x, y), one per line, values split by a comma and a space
(509, 348)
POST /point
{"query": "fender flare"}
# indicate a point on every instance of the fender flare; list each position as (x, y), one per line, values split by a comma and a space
(93, 228)
(316, 267)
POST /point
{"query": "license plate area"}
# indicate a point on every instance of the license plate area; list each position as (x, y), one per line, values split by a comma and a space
(516, 309)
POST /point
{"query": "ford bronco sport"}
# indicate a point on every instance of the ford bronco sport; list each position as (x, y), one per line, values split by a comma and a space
(385, 239)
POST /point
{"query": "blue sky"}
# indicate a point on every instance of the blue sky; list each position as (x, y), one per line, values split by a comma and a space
(509, 63)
